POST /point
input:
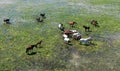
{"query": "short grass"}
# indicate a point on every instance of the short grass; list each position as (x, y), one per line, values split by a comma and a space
(55, 55)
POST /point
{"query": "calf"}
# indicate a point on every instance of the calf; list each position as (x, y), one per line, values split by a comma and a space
(87, 29)
(7, 21)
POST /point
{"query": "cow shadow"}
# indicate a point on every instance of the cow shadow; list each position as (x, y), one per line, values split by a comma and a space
(32, 53)
(90, 44)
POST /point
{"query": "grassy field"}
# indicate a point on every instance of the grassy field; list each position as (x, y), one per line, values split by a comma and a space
(55, 55)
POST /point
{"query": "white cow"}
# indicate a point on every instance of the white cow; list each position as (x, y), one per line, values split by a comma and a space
(66, 40)
(61, 27)
(65, 36)
(85, 40)
(76, 35)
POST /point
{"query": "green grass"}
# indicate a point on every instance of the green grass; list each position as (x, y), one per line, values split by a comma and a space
(113, 2)
(55, 55)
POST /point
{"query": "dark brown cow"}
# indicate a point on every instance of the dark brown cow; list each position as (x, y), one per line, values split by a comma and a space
(30, 48)
(94, 22)
(38, 43)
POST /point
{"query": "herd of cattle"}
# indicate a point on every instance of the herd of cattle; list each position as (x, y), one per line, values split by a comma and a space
(66, 34)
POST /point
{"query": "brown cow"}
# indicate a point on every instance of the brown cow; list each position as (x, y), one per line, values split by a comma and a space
(72, 23)
(94, 22)
(38, 43)
(30, 48)
(68, 32)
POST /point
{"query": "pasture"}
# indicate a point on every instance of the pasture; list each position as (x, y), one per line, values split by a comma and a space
(54, 54)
